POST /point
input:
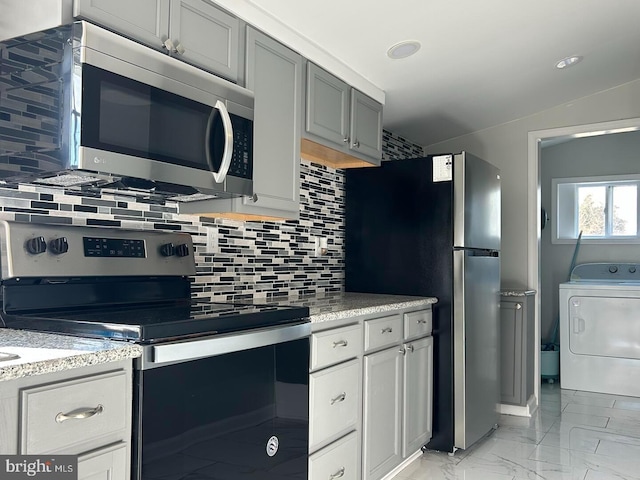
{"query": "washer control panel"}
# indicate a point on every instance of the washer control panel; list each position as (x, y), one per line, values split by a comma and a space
(606, 272)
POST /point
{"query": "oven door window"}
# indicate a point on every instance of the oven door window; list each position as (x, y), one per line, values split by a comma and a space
(233, 416)
(126, 116)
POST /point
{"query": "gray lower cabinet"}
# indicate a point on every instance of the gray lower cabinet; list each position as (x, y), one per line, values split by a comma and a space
(417, 394)
(335, 402)
(195, 31)
(382, 429)
(517, 348)
(341, 117)
(398, 389)
(84, 411)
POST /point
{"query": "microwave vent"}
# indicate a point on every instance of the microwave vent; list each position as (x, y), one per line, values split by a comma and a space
(74, 180)
(193, 198)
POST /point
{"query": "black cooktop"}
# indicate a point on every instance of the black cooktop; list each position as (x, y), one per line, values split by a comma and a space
(158, 322)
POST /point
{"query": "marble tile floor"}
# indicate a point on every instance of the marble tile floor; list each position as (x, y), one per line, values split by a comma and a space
(573, 435)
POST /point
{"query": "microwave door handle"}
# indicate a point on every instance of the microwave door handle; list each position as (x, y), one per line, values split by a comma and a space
(220, 175)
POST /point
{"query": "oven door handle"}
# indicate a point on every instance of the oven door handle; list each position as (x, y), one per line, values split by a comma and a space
(219, 345)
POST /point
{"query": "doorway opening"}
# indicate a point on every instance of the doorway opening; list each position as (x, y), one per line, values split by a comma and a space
(536, 141)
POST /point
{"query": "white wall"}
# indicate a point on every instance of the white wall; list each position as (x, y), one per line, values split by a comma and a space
(506, 147)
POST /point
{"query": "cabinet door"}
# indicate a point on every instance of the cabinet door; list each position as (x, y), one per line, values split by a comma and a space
(205, 36)
(511, 324)
(366, 125)
(327, 103)
(382, 412)
(108, 463)
(144, 20)
(418, 395)
(274, 74)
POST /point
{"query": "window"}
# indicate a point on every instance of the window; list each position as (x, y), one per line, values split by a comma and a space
(604, 209)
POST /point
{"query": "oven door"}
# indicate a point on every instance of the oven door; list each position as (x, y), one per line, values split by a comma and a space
(239, 409)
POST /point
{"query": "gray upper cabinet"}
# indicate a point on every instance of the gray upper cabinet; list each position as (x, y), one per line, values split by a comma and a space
(193, 30)
(327, 105)
(366, 125)
(274, 74)
(341, 117)
(145, 20)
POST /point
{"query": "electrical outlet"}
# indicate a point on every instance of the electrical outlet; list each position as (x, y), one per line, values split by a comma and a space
(212, 239)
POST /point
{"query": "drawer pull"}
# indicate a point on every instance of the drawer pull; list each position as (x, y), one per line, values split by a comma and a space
(422, 320)
(339, 398)
(386, 330)
(340, 343)
(338, 474)
(79, 414)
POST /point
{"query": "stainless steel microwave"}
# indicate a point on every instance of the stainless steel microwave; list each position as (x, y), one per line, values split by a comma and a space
(82, 106)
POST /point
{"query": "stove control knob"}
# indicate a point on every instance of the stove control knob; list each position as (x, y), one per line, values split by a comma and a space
(36, 245)
(613, 269)
(167, 250)
(58, 246)
(182, 250)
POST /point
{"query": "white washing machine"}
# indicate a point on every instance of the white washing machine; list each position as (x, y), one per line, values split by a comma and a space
(600, 329)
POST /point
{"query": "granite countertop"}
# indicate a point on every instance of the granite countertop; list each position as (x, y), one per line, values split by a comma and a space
(341, 305)
(41, 353)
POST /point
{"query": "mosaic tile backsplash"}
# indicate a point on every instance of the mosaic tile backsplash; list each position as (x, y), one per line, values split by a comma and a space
(252, 260)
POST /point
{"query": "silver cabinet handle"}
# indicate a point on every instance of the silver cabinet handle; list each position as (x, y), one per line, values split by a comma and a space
(79, 414)
(410, 348)
(339, 398)
(227, 154)
(422, 320)
(338, 474)
(340, 343)
(386, 330)
(168, 44)
(356, 144)
(402, 350)
(345, 139)
(518, 306)
(180, 49)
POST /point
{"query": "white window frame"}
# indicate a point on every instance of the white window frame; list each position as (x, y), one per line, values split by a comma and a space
(564, 213)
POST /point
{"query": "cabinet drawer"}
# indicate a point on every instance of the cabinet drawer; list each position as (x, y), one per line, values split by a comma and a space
(98, 404)
(338, 460)
(417, 324)
(335, 346)
(383, 331)
(334, 400)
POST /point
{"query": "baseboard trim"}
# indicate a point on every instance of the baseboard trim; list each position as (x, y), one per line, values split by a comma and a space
(519, 410)
(402, 466)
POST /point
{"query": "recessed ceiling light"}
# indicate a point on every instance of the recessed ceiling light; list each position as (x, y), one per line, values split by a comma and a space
(568, 61)
(403, 49)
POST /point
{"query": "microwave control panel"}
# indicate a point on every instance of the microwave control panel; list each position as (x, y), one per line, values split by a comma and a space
(242, 159)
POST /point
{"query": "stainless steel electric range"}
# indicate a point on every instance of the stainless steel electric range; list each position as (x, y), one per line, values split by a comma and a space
(221, 390)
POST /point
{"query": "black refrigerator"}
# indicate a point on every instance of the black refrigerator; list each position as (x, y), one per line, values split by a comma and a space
(431, 227)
